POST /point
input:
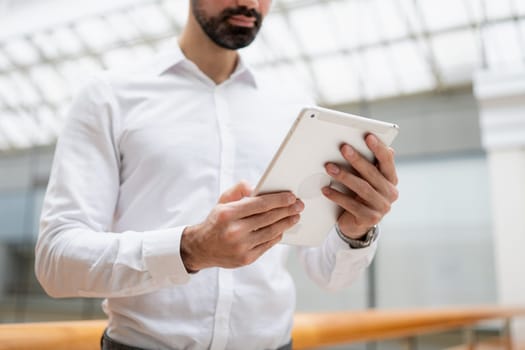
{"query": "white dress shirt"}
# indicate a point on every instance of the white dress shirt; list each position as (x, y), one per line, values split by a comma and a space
(145, 154)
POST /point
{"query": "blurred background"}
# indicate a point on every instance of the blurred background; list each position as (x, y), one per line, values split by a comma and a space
(451, 73)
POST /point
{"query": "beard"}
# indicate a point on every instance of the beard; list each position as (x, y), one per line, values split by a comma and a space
(221, 32)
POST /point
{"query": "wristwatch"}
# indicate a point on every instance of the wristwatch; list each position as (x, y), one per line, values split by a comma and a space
(365, 241)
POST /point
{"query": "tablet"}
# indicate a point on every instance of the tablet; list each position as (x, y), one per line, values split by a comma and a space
(314, 139)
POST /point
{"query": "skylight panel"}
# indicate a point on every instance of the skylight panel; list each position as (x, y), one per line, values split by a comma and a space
(313, 27)
(95, 33)
(27, 124)
(13, 133)
(378, 77)
(142, 52)
(337, 78)
(300, 74)
(52, 121)
(413, 71)
(287, 3)
(50, 83)
(4, 145)
(297, 76)
(165, 44)
(5, 64)
(67, 42)
(69, 71)
(122, 27)
(62, 114)
(277, 38)
(444, 13)
(46, 44)
(258, 52)
(293, 78)
(498, 8)
(500, 52)
(21, 52)
(519, 6)
(44, 136)
(521, 29)
(8, 91)
(4, 86)
(366, 23)
(521, 26)
(7, 95)
(474, 10)
(88, 65)
(177, 10)
(346, 22)
(410, 16)
(75, 73)
(126, 57)
(389, 19)
(116, 57)
(339, 50)
(457, 55)
(150, 20)
(26, 91)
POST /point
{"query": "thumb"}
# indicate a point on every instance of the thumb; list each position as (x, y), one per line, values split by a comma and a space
(237, 192)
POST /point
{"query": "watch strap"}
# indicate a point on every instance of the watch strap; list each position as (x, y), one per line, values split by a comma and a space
(368, 238)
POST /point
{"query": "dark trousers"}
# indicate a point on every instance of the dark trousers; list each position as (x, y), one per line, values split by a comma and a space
(106, 343)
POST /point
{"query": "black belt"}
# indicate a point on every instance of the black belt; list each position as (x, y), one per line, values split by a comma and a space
(106, 343)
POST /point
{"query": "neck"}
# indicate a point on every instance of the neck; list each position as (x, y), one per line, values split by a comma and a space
(214, 61)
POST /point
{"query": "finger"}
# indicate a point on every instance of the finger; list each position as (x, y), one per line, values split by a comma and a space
(363, 215)
(369, 172)
(249, 206)
(365, 168)
(384, 156)
(237, 192)
(263, 247)
(255, 222)
(358, 185)
(268, 233)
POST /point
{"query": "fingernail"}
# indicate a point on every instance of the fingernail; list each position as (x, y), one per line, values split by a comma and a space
(296, 219)
(372, 140)
(291, 199)
(298, 206)
(348, 150)
(332, 168)
(326, 191)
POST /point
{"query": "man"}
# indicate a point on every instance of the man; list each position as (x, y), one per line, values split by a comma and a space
(142, 207)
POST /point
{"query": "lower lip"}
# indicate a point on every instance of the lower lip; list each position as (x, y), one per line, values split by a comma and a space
(241, 23)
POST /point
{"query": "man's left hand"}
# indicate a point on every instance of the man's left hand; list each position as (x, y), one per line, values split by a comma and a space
(372, 188)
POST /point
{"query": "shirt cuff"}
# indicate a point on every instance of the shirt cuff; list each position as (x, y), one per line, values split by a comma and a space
(161, 251)
(335, 244)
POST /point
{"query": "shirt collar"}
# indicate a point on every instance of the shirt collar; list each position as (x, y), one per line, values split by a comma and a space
(167, 60)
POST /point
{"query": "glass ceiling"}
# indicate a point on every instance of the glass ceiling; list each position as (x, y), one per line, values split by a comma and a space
(337, 50)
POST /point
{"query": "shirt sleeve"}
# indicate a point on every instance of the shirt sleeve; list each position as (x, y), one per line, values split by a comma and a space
(76, 253)
(334, 265)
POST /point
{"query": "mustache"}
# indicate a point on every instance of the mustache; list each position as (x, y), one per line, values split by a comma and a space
(243, 11)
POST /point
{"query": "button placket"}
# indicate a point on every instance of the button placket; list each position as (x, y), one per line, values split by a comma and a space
(225, 276)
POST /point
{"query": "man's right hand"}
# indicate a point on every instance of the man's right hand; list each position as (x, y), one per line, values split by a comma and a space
(239, 229)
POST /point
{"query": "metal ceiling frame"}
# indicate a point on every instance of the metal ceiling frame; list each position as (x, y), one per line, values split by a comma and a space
(421, 37)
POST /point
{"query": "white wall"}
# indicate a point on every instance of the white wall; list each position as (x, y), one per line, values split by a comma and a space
(437, 243)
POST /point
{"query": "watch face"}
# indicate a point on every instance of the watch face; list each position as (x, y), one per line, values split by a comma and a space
(370, 234)
(366, 241)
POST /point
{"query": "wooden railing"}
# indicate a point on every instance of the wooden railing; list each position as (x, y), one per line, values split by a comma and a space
(310, 330)
(314, 330)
